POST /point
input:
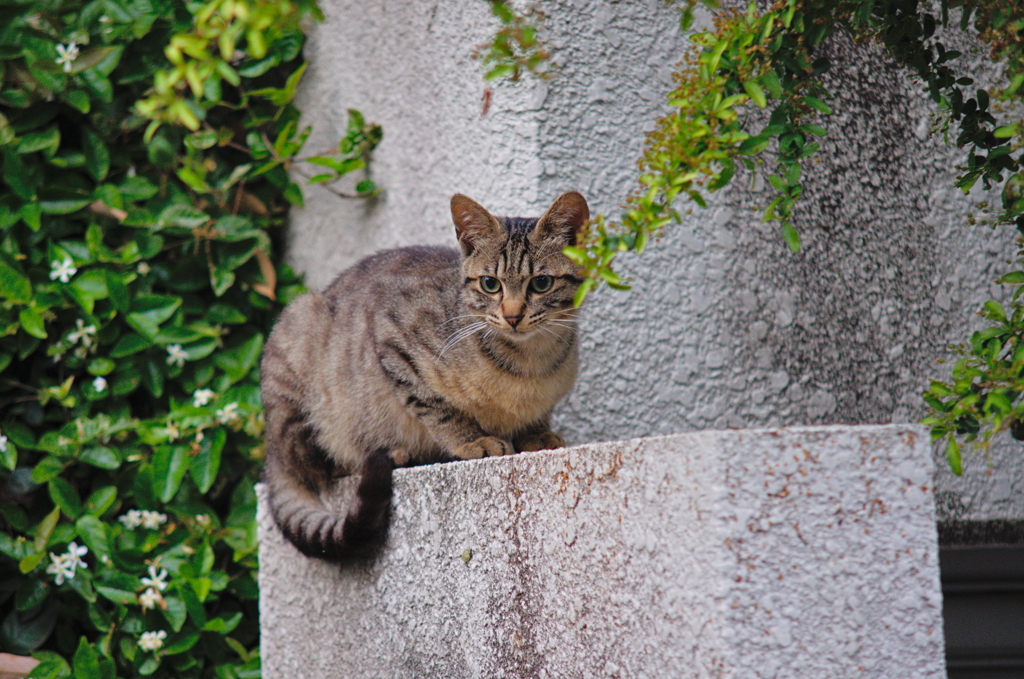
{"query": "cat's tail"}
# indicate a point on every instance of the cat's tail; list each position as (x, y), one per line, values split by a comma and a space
(319, 532)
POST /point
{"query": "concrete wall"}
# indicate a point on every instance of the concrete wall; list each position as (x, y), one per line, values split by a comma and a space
(807, 552)
(724, 327)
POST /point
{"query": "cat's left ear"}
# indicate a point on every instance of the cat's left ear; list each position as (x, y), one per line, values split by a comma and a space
(564, 219)
(473, 223)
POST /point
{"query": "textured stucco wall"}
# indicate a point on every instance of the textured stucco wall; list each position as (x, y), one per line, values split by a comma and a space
(805, 552)
(724, 327)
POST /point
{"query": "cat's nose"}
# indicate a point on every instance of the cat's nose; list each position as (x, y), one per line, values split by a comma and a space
(513, 320)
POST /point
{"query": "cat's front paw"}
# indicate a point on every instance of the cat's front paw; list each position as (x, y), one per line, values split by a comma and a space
(546, 441)
(485, 446)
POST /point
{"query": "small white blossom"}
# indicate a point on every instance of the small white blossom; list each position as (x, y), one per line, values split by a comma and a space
(200, 436)
(62, 270)
(202, 397)
(176, 355)
(142, 269)
(227, 413)
(84, 333)
(152, 641)
(61, 567)
(172, 431)
(153, 520)
(203, 520)
(150, 599)
(133, 519)
(68, 54)
(156, 579)
(75, 554)
(143, 517)
(3, 443)
(99, 384)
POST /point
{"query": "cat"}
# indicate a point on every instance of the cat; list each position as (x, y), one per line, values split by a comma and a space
(418, 355)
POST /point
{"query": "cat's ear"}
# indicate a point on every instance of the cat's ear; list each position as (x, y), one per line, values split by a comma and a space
(473, 223)
(564, 219)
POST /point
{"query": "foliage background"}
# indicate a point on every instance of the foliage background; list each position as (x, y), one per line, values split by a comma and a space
(146, 147)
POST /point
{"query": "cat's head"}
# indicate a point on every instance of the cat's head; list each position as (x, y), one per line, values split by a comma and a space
(514, 271)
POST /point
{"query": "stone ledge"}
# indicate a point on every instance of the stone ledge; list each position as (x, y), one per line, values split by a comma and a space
(802, 552)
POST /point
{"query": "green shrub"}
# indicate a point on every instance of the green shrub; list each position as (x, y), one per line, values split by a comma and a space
(145, 149)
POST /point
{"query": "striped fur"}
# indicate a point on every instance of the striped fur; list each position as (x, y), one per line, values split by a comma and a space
(413, 356)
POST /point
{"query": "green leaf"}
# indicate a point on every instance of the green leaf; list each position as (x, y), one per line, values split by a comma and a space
(9, 456)
(170, 464)
(175, 613)
(65, 497)
(51, 666)
(14, 284)
(953, 456)
(756, 93)
(32, 321)
(818, 105)
(118, 596)
(753, 145)
(30, 594)
(101, 500)
(17, 176)
(30, 562)
(102, 457)
(97, 157)
(47, 140)
(790, 235)
(24, 631)
(129, 344)
(86, 662)
(94, 533)
(77, 99)
(48, 468)
(206, 463)
(45, 529)
(237, 362)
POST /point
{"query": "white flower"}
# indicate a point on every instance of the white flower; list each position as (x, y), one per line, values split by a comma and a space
(150, 599)
(67, 56)
(133, 519)
(203, 520)
(172, 431)
(202, 397)
(99, 384)
(143, 517)
(75, 554)
(62, 270)
(153, 520)
(156, 579)
(3, 443)
(227, 413)
(176, 355)
(61, 568)
(152, 641)
(142, 268)
(84, 333)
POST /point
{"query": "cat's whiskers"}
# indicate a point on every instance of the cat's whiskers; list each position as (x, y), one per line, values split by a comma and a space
(461, 334)
(555, 335)
(455, 318)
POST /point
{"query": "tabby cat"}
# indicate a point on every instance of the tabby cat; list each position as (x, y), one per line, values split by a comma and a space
(418, 355)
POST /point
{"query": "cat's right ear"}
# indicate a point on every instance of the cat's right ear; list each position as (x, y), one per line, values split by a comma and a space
(473, 223)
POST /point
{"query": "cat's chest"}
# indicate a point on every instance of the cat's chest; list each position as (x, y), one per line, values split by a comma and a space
(501, 403)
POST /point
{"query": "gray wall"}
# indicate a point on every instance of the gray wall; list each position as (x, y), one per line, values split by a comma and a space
(739, 554)
(725, 327)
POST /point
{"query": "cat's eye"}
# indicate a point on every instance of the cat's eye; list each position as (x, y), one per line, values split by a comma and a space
(490, 284)
(541, 283)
